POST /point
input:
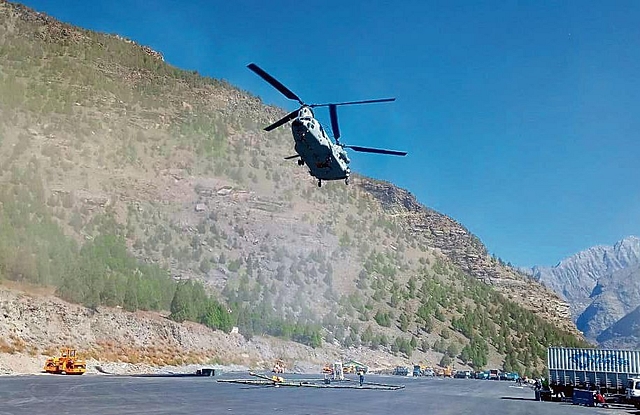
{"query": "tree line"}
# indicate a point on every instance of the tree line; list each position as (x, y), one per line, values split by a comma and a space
(101, 272)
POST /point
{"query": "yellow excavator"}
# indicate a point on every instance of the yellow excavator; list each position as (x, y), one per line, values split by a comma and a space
(67, 363)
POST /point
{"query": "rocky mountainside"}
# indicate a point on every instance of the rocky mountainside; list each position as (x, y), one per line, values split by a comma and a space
(601, 284)
(624, 333)
(142, 339)
(123, 178)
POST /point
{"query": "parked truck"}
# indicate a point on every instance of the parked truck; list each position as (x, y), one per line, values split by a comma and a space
(608, 370)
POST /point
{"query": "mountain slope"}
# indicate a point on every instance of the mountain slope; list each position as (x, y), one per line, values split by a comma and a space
(34, 324)
(600, 283)
(625, 333)
(577, 276)
(122, 177)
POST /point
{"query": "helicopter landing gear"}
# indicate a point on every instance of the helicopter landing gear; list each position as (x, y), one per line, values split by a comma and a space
(346, 180)
(319, 183)
(300, 162)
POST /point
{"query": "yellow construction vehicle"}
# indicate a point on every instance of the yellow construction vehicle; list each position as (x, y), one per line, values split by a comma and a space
(67, 363)
(352, 366)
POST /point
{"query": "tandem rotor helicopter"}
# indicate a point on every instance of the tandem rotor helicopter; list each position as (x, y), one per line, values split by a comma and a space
(326, 160)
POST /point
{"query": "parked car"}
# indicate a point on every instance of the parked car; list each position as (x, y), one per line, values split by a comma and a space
(482, 375)
(416, 370)
(513, 376)
(463, 374)
(428, 372)
(401, 371)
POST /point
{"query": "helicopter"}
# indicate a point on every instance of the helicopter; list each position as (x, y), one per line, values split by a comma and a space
(325, 159)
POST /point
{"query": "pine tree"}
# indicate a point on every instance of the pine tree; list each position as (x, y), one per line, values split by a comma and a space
(445, 361)
(182, 307)
(404, 322)
(131, 294)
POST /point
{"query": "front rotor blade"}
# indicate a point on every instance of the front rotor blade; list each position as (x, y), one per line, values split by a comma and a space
(333, 113)
(282, 121)
(377, 150)
(274, 82)
(366, 101)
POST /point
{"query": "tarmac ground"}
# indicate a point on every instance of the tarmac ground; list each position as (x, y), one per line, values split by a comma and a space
(104, 394)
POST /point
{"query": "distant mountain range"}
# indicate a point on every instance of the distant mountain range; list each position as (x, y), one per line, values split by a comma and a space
(602, 286)
(625, 333)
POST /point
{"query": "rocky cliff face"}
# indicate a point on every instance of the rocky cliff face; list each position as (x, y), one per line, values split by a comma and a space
(601, 284)
(466, 251)
(36, 325)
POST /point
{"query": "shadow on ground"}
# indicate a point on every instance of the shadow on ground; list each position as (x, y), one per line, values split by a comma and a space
(510, 398)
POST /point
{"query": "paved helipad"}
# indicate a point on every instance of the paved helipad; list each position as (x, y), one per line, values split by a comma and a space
(101, 395)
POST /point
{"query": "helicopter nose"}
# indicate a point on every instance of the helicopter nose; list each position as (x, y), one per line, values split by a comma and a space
(297, 125)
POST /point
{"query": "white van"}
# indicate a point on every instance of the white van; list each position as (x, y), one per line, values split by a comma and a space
(633, 391)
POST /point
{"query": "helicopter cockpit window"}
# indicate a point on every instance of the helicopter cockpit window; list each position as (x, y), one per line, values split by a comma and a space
(306, 113)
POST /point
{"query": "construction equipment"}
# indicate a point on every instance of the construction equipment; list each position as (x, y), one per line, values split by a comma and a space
(335, 369)
(353, 366)
(67, 363)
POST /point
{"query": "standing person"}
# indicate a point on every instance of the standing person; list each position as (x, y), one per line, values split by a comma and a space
(361, 374)
(538, 385)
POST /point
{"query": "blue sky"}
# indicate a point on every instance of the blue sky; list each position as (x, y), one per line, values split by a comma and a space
(521, 119)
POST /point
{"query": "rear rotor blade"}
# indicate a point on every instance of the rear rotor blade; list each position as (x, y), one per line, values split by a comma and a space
(295, 156)
(366, 101)
(333, 113)
(274, 82)
(282, 121)
(377, 150)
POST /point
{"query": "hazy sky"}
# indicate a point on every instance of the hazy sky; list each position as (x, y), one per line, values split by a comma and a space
(521, 118)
